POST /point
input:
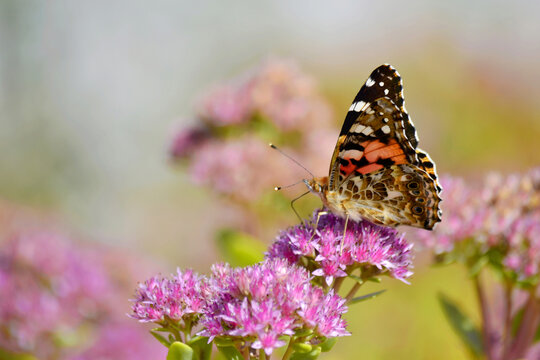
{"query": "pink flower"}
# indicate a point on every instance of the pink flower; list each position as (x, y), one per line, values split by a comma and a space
(269, 300)
(178, 299)
(336, 254)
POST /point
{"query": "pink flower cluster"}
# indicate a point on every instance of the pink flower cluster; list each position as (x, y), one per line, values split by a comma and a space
(277, 90)
(52, 288)
(259, 304)
(227, 149)
(332, 253)
(179, 298)
(502, 212)
(46, 284)
(266, 301)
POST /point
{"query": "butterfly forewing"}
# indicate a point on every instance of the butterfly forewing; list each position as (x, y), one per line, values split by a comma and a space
(374, 141)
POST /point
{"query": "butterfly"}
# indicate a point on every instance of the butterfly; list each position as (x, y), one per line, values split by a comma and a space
(377, 172)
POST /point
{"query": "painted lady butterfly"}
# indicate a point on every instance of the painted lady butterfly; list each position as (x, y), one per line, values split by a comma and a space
(377, 172)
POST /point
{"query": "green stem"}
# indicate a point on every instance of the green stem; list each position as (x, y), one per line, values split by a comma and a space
(507, 331)
(527, 328)
(353, 291)
(187, 329)
(289, 350)
(245, 352)
(176, 334)
(262, 355)
(337, 284)
(486, 320)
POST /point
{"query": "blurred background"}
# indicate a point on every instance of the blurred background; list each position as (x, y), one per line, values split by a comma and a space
(92, 94)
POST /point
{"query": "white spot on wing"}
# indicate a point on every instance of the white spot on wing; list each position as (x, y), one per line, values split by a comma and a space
(357, 128)
(359, 105)
(386, 91)
(386, 129)
(381, 83)
(351, 154)
(370, 82)
(367, 131)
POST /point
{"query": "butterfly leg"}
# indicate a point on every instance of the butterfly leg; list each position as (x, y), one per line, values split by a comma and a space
(321, 213)
(344, 232)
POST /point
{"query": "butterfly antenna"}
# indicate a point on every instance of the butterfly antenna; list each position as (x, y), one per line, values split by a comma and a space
(292, 159)
(292, 205)
(277, 188)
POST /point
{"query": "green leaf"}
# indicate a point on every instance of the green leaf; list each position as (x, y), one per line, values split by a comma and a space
(328, 344)
(240, 249)
(302, 348)
(202, 348)
(230, 352)
(161, 329)
(356, 278)
(303, 332)
(366, 297)
(224, 342)
(180, 351)
(462, 325)
(375, 279)
(160, 338)
(313, 354)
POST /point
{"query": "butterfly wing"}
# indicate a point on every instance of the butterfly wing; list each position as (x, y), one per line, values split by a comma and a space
(384, 82)
(377, 172)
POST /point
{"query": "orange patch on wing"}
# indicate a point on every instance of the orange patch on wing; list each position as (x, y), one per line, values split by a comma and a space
(369, 168)
(385, 152)
(375, 150)
(373, 145)
(347, 170)
(399, 159)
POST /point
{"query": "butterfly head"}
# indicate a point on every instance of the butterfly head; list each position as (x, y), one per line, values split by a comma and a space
(317, 186)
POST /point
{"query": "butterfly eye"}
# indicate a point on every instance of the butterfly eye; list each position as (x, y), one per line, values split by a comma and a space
(418, 210)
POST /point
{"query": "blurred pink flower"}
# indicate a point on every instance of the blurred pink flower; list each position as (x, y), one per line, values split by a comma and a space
(54, 289)
(274, 102)
(228, 104)
(286, 96)
(502, 212)
(187, 141)
(241, 169)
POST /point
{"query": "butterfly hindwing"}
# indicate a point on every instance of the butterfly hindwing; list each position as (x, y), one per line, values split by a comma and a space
(395, 195)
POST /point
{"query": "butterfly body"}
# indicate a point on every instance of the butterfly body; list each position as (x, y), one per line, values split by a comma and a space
(377, 172)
